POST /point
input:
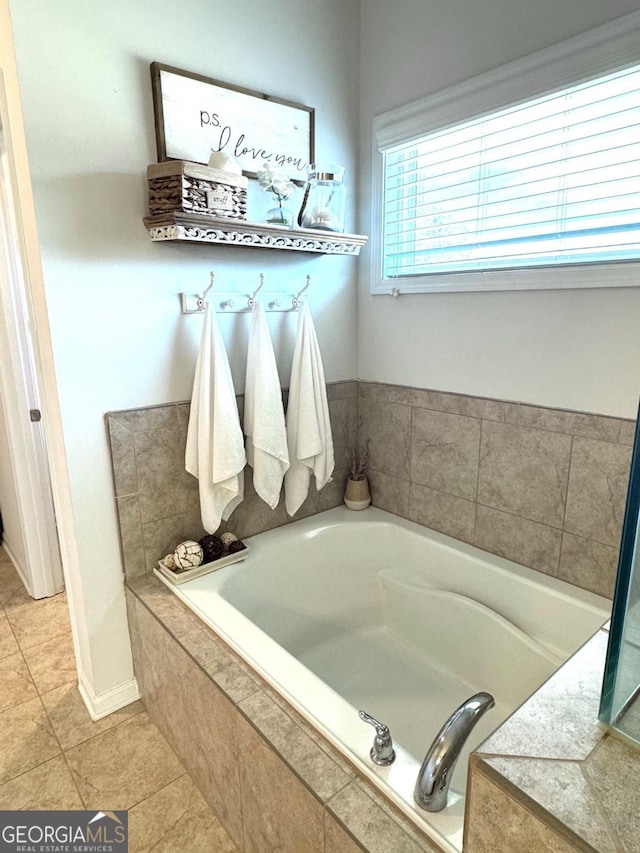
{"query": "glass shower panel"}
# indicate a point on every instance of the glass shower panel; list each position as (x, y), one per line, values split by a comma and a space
(620, 700)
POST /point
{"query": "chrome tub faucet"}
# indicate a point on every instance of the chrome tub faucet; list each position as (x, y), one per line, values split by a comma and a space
(432, 785)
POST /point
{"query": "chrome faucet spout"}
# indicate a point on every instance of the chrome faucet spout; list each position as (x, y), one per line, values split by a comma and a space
(432, 785)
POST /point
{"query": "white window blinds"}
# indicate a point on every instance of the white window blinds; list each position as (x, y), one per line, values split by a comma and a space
(551, 181)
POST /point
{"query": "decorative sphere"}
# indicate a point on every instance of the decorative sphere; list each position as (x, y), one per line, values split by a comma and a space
(188, 554)
(227, 538)
(212, 548)
(169, 561)
(236, 545)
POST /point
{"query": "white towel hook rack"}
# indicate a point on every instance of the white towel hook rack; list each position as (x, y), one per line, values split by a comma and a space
(295, 302)
(237, 303)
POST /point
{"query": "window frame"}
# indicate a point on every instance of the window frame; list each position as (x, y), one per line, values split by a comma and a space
(603, 50)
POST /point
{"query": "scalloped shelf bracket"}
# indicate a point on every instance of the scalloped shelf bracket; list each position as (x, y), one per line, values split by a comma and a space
(199, 228)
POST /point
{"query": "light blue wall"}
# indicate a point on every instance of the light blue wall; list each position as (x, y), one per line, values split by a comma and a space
(118, 337)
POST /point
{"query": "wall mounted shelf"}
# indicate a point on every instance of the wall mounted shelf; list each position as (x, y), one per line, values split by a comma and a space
(200, 228)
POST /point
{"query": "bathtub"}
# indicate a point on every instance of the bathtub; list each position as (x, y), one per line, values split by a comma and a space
(364, 610)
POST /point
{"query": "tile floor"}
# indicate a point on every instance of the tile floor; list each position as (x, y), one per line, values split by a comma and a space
(52, 756)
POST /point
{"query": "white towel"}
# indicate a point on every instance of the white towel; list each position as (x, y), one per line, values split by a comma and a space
(308, 426)
(263, 413)
(215, 448)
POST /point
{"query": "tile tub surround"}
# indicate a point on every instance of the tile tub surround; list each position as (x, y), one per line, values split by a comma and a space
(542, 487)
(272, 780)
(551, 778)
(157, 500)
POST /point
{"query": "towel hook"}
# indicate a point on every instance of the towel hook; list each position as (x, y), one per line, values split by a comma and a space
(252, 299)
(201, 299)
(295, 302)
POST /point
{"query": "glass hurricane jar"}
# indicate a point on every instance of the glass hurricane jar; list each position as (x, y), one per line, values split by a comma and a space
(324, 198)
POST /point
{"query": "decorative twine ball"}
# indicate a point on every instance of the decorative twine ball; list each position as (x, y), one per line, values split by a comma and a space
(236, 545)
(212, 548)
(169, 561)
(188, 554)
(227, 538)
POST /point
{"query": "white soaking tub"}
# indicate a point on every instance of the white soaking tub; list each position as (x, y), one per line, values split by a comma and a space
(364, 610)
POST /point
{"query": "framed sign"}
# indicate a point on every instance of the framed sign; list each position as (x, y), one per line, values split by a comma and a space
(197, 115)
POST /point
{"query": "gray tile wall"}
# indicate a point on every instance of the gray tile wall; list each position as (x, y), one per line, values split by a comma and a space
(157, 500)
(543, 487)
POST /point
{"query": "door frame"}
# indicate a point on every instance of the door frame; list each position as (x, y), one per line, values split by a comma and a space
(19, 388)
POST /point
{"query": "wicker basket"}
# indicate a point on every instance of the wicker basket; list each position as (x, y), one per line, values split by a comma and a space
(179, 186)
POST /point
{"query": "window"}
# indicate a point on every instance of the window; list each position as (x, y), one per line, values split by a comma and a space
(551, 179)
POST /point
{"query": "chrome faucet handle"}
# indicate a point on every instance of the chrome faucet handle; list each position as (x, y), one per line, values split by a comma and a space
(382, 751)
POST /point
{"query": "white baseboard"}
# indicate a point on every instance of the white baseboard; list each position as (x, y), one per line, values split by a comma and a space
(102, 705)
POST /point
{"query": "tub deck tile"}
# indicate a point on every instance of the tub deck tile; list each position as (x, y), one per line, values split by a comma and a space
(561, 719)
(312, 732)
(232, 675)
(292, 742)
(375, 824)
(229, 671)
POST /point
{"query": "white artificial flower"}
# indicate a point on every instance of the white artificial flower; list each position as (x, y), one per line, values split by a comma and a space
(274, 181)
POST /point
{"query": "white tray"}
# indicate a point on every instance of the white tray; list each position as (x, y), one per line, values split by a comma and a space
(203, 569)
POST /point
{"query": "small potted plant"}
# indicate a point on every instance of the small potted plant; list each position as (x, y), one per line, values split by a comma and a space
(357, 495)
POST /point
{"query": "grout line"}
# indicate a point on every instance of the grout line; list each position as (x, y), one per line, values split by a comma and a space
(73, 779)
(411, 437)
(476, 502)
(604, 812)
(566, 506)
